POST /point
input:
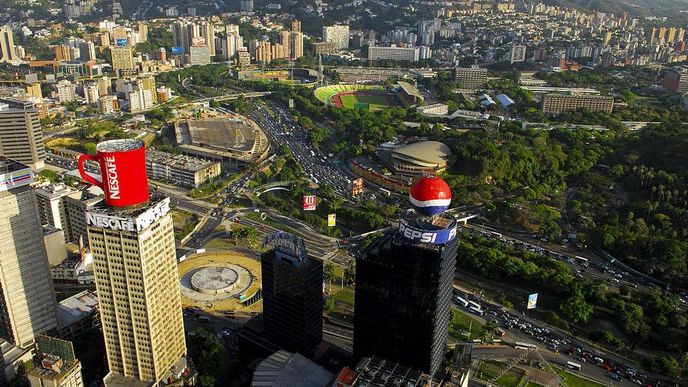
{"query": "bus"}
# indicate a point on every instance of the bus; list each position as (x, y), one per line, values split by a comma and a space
(476, 311)
(520, 345)
(461, 301)
(496, 234)
(582, 261)
(474, 304)
(385, 192)
(573, 366)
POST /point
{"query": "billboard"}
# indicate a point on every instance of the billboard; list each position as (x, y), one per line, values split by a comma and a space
(310, 202)
(357, 186)
(121, 42)
(177, 50)
(331, 220)
(532, 301)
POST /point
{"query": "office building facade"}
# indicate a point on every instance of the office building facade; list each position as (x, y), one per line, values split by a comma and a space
(8, 51)
(472, 78)
(559, 103)
(27, 299)
(123, 60)
(292, 296)
(676, 79)
(410, 54)
(403, 302)
(136, 276)
(182, 170)
(21, 137)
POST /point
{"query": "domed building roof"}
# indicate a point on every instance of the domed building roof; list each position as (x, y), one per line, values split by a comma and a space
(421, 157)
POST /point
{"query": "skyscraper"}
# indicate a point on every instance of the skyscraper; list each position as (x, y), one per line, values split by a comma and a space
(136, 277)
(292, 295)
(123, 60)
(8, 52)
(404, 288)
(296, 25)
(21, 137)
(27, 299)
(337, 34)
(246, 5)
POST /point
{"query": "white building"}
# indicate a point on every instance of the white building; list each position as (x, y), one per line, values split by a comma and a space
(140, 100)
(518, 53)
(338, 35)
(66, 91)
(91, 93)
(411, 54)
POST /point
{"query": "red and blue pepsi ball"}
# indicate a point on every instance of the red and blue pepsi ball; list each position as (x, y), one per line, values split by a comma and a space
(430, 195)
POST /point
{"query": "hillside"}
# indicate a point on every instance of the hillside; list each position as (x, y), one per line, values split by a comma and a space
(633, 7)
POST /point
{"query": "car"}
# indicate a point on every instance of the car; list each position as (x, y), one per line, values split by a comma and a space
(615, 376)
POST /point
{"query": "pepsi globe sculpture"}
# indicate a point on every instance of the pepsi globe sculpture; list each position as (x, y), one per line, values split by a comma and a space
(430, 195)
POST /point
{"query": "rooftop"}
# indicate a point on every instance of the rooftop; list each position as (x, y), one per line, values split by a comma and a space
(183, 162)
(76, 307)
(433, 152)
(284, 368)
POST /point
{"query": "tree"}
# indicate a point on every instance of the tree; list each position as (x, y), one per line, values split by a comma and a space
(350, 273)
(576, 308)
(328, 271)
(20, 379)
(215, 367)
(488, 330)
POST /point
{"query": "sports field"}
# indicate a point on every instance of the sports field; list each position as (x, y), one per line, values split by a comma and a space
(367, 102)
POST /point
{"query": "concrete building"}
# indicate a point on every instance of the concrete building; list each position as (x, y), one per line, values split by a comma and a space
(199, 55)
(181, 170)
(517, 53)
(66, 91)
(472, 78)
(28, 305)
(56, 204)
(243, 57)
(8, 51)
(410, 54)
(107, 104)
(337, 34)
(140, 100)
(91, 93)
(676, 79)
(558, 103)
(434, 109)
(135, 268)
(324, 48)
(296, 25)
(246, 5)
(123, 60)
(55, 364)
(21, 137)
(77, 314)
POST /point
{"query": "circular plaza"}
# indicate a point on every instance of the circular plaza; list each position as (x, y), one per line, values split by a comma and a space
(219, 281)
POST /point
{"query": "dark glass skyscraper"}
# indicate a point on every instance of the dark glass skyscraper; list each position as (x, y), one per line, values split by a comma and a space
(403, 300)
(292, 299)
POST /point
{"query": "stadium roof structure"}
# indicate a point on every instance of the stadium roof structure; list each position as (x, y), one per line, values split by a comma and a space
(410, 89)
(284, 368)
(423, 153)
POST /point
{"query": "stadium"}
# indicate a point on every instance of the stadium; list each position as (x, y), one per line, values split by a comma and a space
(368, 97)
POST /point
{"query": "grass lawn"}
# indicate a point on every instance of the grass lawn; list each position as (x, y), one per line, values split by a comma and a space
(345, 295)
(221, 243)
(461, 322)
(573, 380)
(376, 102)
(532, 384)
(490, 369)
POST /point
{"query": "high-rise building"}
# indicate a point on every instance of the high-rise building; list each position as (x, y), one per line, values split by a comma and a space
(21, 137)
(66, 91)
(246, 5)
(473, 78)
(27, 299)
(296, 25)
(123, 60)
(295, 45)
(199, 54)
(292, 295)
(8, 52)
(143, 32)
(136, 279)
(404, 286)
(91, 93)
(285, 37)
(338, 34)
(676, 79)
(517, 53)
(55, 364)
(206, 30)
(181, 38)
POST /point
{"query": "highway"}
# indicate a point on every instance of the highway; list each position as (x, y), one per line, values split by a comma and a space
(288, 132)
